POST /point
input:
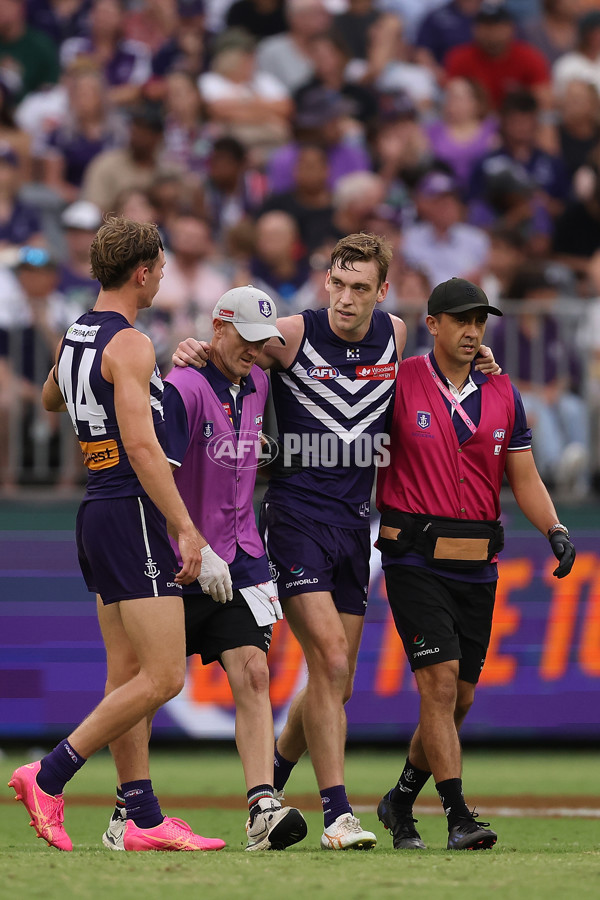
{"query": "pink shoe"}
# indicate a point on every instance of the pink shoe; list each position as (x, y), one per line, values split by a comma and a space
(46, 811)
(171, 834)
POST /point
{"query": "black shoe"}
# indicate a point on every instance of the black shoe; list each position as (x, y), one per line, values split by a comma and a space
(398, 819)
(468, 834)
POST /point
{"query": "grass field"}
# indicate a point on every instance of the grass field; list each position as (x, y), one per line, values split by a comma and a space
(536, 856)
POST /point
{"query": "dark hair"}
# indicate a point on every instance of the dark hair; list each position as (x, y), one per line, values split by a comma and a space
(231, 146)
(363, 248)
(519, 102)
(120, 247)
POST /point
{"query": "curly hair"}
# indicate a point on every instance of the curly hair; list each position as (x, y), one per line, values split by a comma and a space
(363, 248)
(120, 247)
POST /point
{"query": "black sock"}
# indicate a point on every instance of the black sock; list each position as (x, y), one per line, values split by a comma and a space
(451, 794)
(409, 785)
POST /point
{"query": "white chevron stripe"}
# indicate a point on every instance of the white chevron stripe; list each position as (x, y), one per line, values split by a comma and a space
(320, 387)
(349, 384)
(346, 435)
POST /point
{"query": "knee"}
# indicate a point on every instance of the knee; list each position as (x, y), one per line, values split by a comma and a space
(168, 685)
(333, 668)
(256, 674)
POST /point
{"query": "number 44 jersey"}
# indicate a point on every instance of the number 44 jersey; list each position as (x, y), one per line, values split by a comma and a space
(91, 404)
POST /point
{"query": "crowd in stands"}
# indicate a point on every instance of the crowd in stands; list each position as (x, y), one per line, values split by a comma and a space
(256, 133)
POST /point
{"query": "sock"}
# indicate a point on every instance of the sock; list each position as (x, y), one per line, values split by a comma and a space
(451, 794)
(335, 803)
(282, 770)
(262, 792)
(58, 767)
(141, 804)
(410, 783)
(119, 804)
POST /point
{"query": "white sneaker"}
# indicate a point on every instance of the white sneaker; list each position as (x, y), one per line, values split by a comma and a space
(113, 836)
(346, 834)
(275, 828)
(280, 796)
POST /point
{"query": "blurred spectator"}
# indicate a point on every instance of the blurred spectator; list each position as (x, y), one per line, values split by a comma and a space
(19, 224)
(590, 344)
(81, 220)
(260, 18)
(497, 60)
(582, 63)
(190, 287)
(506, 256)
(135, 165)
(12, 136)
(29, 60)
(578, 129)
(309, 202)
(90, 127)
(391, 64)
(443, 28)
(355, 24)
(519, 129)
(185, 141)
(136, 204)
(407, 297)
(331, 57)
(577, 230)
(232, 190)
(411, 12)
(279, 264)
(33, 315)
(535, 346)
(126, 64)
(184, 50)
(170, 197)
(464, 133)
(440, 243)
(150, 22)
(400, 148)
(287, 56)
(250, 105)
(321, 118)
(58, 19)
(357, 199)
(554, 29)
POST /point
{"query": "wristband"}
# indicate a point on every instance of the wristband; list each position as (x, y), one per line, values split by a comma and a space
(557, 527)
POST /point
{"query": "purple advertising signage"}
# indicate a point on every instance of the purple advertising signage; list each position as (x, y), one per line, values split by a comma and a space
(541, 679)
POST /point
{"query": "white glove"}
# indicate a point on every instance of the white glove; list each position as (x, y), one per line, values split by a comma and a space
(214, 577)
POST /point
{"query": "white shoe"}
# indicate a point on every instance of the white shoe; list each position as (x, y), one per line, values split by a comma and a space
(346, 834)
(275, 828)
(280, 796)
(113, 836)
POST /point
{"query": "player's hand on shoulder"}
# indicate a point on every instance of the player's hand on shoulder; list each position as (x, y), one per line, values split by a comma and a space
(191, 353)
(214, 578)
(486, 363)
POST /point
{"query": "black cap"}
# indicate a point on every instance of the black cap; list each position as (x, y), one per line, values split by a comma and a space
(491, 11)
(457, 295)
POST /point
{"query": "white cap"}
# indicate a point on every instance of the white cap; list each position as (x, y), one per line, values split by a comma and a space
(83, 215)
(251, 311)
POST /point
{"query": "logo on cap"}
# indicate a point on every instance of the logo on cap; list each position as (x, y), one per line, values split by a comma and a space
(265, 308)
(227, 313)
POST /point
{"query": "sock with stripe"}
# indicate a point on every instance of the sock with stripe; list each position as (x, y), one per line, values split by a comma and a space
(141, 803)
(259, 797)
(58, 767)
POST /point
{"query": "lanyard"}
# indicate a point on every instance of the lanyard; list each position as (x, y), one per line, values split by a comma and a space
(449, 397)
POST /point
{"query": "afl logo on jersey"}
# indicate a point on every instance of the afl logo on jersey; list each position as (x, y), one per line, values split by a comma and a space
(499, 434)
(323, 373)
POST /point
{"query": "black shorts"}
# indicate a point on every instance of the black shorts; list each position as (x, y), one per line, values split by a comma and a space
(308, 556)
(124, 550)
(211, 627)
(440, 619)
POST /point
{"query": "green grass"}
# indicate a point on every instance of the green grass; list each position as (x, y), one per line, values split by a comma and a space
(535, 858)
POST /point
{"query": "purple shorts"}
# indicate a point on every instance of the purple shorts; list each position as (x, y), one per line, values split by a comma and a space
(308, 556)
(124, 550)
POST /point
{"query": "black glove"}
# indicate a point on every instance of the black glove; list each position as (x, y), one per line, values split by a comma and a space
(564, 551)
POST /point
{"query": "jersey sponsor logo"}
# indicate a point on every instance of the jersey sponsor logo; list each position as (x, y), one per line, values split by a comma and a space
(497, 449)
(226, 313)
(353, 353)
(82, 334)
(364, 510)
(423, 419)
(376, 373)
(297, 570)
(207, 429)
(323, 373)
(499, 434)
(427, 652)
(151, 569)
(418, 640)
(99, 454)
(173, 584)
(301, 581)
(258, 420)
(265, 308)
